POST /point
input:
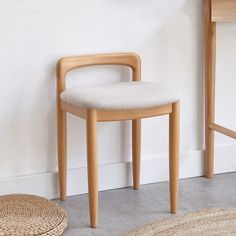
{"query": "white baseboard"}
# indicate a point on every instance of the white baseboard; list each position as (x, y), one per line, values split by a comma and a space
(118, 175)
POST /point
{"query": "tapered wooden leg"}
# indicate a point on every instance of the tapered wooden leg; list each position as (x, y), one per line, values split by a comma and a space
(136, 149)
(62, 152)
(174, 157)
(92, 166)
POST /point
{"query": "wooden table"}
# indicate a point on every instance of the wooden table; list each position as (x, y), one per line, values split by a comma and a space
(215, 11)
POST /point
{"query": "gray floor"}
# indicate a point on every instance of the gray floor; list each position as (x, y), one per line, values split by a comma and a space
(125, 209)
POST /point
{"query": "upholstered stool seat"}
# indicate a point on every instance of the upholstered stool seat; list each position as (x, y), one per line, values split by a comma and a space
(126, 95)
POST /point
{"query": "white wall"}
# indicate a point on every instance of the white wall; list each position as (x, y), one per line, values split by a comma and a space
(167, 34)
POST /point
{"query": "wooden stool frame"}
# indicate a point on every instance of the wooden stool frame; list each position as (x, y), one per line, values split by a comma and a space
(215, 11)
(92, 116)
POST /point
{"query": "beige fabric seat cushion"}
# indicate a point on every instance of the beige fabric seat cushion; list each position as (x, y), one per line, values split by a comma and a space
(120, 96)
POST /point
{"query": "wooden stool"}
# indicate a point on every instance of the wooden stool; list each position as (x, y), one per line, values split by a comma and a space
(215, 11)
(121, 101)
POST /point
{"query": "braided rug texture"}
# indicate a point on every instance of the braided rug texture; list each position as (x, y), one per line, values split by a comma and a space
(30, 215)
(209, 222)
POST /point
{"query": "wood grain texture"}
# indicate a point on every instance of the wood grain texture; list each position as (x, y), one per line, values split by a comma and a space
(223, 10)
(126, 59)
(61, 141)
(115, 115)
(62, 152)
(136, 151)
(174, 122)
(118, 115)
(92, 160)
(210, 57)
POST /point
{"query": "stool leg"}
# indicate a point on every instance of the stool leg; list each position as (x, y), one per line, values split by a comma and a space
(62, 152)
(174, 156)
(136, 149)
(92, 166)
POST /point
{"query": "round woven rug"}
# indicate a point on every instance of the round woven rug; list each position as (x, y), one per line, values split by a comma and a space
(30, 215)
(217, 222)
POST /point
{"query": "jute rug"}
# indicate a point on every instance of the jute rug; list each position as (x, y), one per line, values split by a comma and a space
(210, 222)
(30, 215)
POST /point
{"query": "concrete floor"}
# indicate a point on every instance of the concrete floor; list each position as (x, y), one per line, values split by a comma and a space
(125, 209)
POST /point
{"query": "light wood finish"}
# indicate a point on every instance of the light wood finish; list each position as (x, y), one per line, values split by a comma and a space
(215, 11)
(82, 113)
(174, 156)
(62, 153)
(61, 144)
(210, 39)
(126, 59)
(92, 166)
(118, 115)
(223, 130)
(223, 10)
(93, 116)
(136, 150)
(115, 115)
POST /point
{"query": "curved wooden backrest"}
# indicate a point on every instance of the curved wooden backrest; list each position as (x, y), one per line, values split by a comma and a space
(223, 10)
(66, 64)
